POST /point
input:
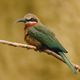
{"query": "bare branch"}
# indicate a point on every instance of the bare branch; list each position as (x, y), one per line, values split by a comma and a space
(33, 47)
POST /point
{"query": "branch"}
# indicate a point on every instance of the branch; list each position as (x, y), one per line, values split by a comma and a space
(33, 47)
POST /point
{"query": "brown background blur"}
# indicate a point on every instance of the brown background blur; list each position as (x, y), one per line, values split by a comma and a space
(62, 17)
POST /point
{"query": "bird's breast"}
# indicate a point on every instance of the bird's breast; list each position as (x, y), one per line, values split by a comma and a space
(30, 40)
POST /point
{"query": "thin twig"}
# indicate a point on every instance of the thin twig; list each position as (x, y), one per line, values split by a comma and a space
(33, 47)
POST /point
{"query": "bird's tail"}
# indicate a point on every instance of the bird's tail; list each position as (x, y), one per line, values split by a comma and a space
(68, 62)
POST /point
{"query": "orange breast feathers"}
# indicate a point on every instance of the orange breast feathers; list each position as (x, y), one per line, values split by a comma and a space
(32, 41)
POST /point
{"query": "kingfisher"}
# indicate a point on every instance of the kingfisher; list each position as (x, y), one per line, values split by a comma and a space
(38, 35)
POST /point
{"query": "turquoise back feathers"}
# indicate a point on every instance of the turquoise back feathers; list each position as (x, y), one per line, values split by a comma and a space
(46, 37)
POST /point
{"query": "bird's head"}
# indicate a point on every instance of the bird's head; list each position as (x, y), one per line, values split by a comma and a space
(29, 20)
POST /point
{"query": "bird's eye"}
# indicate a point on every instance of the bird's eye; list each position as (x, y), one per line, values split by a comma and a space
(33, 19)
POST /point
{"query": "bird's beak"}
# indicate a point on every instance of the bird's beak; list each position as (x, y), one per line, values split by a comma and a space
(21, 20)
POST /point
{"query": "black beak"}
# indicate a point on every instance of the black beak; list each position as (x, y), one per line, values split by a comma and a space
(21, 20)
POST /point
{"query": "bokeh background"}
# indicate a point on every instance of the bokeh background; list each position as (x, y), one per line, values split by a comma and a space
(61, 16)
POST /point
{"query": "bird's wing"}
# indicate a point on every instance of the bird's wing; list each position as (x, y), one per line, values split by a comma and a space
(46, 38)
(44, 30)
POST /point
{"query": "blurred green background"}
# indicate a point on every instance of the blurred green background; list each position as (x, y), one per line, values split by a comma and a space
(61, 16)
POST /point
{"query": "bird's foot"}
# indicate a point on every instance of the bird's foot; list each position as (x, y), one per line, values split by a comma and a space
(40, 49)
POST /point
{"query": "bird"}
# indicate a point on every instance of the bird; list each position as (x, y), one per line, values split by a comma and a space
(38, 35)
